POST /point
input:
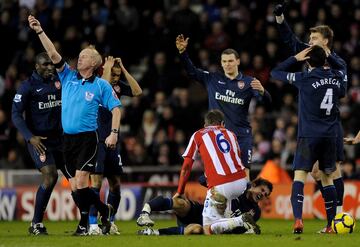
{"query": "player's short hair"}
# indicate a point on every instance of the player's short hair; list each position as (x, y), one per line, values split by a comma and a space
(261, 181)
(214, 117)
(96, 55)
(326, 32)
(317, 56)
(41, 56)
(230, 51)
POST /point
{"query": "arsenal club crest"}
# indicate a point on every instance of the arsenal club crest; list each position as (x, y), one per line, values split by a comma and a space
(117, 88)
(42, 158)
(241, 84)
(57, 84)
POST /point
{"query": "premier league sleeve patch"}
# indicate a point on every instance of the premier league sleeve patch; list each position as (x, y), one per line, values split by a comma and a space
(17, 98)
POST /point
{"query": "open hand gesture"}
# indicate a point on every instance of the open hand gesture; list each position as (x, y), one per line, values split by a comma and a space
(181, 43)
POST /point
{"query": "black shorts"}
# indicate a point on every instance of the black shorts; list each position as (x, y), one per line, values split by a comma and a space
(108, 161)
(80, 152)
(309, 150)
(193, 217)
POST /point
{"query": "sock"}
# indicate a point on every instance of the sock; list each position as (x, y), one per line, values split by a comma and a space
(339, 186)
(318, 182)
(75, 198)
(95, 200)
(146, 209)
(160, 203)
(93, 214)
(42, 198)
(84, 206)
(330, 203)
(297, 199)
(226, 225)
(172, 231)
(114, 200)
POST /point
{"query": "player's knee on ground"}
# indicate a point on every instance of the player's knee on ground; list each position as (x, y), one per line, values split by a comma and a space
(193, 229)
(181, 206)
(96, 180)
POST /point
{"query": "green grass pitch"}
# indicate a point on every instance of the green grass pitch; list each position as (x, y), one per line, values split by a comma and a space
(275, 233)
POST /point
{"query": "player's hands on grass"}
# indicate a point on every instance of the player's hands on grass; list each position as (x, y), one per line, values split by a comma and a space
(302, 56)
(38, 145)
(256, 85)
(181, 43)
(34, 24)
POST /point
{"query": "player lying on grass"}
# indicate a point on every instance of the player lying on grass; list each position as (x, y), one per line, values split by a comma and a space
(189, 213)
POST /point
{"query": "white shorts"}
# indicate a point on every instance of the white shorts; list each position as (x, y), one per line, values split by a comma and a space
(231, 191)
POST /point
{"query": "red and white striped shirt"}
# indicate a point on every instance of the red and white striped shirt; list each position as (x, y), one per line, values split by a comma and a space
(220, 152)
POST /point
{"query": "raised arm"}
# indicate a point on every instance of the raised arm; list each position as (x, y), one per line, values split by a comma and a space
(134, 85)
(281, 73)
(286, 34)
(46, 42)
(195, 73)
(109, 63)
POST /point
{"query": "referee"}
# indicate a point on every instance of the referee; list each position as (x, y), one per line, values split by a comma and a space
(82, 93)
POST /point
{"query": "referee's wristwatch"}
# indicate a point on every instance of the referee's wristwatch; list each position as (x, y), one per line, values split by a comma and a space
(116, 131)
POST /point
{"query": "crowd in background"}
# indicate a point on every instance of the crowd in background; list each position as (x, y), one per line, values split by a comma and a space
(156, 126)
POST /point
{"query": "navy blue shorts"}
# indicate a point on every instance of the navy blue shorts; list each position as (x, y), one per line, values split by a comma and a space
(53, 154)
(246, 145)
(312, 149)
(340, 156)
(108, 161)
(193, 217)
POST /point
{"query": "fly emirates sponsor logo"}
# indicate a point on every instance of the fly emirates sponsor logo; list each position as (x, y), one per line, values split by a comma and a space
(52, 102)
(229, 97)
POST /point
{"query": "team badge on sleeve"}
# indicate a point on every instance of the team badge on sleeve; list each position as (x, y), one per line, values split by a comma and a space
(241, 84)
(117, 88)
(115, 95)
(17, 98)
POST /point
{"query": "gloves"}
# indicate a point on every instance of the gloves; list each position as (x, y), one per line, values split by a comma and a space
(279, 9)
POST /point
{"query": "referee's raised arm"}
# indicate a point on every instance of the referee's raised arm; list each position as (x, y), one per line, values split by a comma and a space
(47, 43)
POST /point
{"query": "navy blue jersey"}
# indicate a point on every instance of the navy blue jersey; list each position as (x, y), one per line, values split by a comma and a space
(105, 116)
(232, 97)
(242, 205)
(41, 101)
(319, 91)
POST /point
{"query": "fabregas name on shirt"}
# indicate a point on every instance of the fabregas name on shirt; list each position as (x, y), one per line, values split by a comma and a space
(326, 81)
(229, 97)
